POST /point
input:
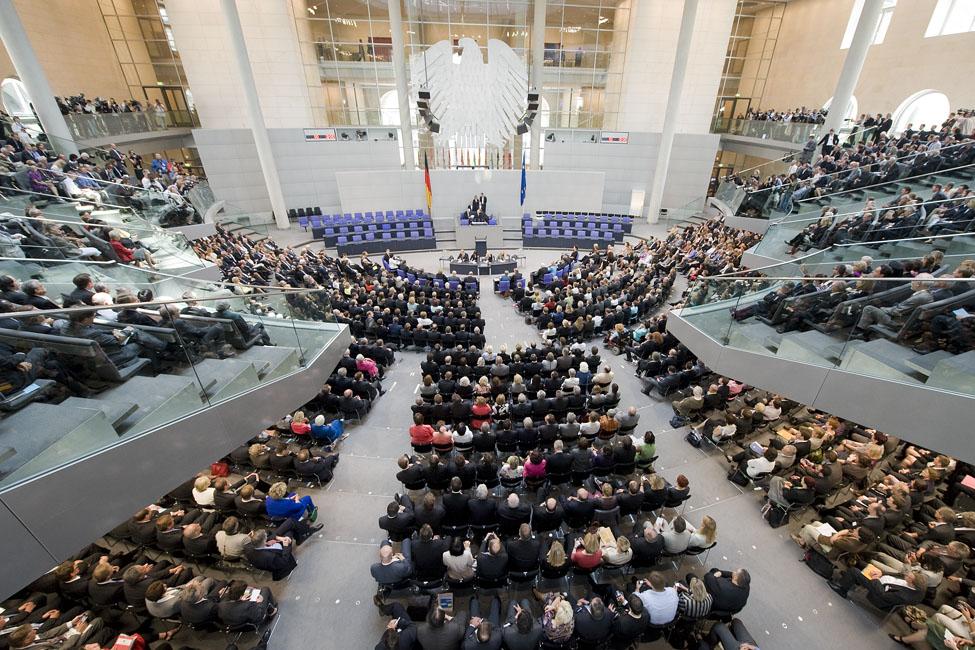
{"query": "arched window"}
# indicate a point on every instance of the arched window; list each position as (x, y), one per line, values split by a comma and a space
(15, 99)
(928, 107)
(851, 108)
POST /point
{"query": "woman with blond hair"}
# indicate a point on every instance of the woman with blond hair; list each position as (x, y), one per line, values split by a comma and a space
(512, 468)
(704, 536)
(558, 622)
(300, 426)
(616, 552)
(587, 554)
(483, 387)
(694, 601)
(555, 564)
(203, 492)
(480, 412)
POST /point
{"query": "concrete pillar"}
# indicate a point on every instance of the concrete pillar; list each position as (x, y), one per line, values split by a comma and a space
(853, 64)
(32, 75)
(399, 70)
(255, 116)
(535, 79)
(673, 109)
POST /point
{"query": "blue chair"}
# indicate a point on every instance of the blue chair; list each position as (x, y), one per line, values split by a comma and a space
(329, 231)
(387, 226)
(400, 226)
(400, 235)
(470, 287)
(347, 216)
(409, 213)
(400, 213)
(370, 236)
(492, 221)
(438, 284)
(504, 285)
(548, 278)
(342, 240)
(453, 285)
(303, 222)
(387, 235)
(420, 212)
(316, 222)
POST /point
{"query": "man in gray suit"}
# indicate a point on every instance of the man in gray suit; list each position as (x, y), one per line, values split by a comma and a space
(392, 568)
(888, 315)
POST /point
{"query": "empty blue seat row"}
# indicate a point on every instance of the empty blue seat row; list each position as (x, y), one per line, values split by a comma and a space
(318, 220)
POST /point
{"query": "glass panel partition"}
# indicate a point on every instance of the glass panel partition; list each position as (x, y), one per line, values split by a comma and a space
(88, 126)
(134, 367)
(908, 330)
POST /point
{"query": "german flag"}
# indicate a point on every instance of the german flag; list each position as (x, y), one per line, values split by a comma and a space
(426, 181)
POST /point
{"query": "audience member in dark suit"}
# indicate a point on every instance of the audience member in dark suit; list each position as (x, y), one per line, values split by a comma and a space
(273, 553)
(729, 589)
(236, 607)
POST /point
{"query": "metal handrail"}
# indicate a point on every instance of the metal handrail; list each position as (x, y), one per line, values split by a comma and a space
(806, 278)
(855, 212)
(170, 301)
(896, 180)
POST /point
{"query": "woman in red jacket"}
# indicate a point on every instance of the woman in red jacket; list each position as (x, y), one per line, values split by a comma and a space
(480, 413)
(299, 424)
(421, 435)
(587, 553)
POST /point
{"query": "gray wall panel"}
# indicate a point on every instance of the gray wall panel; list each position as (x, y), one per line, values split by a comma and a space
(900, 409)
(24, 557)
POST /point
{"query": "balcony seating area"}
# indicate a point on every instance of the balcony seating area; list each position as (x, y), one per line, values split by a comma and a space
(353, 233)
(564, 230)
(202, 533)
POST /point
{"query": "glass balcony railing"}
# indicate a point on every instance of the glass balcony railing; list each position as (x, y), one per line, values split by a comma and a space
(801, 231)
(880, 327)
(135, 367)
(794, 132)
(89, 126)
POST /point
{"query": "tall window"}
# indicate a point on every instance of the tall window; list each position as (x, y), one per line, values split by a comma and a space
(886, 13)
(951, 17)
(928, 107)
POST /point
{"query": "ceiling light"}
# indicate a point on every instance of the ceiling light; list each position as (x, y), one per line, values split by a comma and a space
(603, 20)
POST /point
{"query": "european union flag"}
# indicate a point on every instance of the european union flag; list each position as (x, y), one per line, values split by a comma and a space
(524, 179)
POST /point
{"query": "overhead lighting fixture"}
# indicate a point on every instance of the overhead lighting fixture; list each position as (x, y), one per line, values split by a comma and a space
(312, 11)
(603, 20)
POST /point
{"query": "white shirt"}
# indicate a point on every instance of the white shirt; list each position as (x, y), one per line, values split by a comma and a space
(758, 466)
(661, 606)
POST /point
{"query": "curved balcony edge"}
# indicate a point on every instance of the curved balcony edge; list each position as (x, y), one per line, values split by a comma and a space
(899, 409)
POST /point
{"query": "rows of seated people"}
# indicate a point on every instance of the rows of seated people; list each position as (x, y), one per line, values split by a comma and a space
(882, 159)
(870, 510)
(948, 210)
(90, 239)
(585, 295)
(563, 230)
(569, 502)
(643, 274)
(123, 340)
(167, 568)
(918, 311)
(385, 300)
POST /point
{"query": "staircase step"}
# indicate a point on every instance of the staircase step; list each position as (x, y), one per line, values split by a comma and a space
(45, 435)
(749, 336)
(925, 363)
(161, 399)
(956, 374)
(280, 360)
(810, 347)
(115, 412)
(881, 358)
(228, 376)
